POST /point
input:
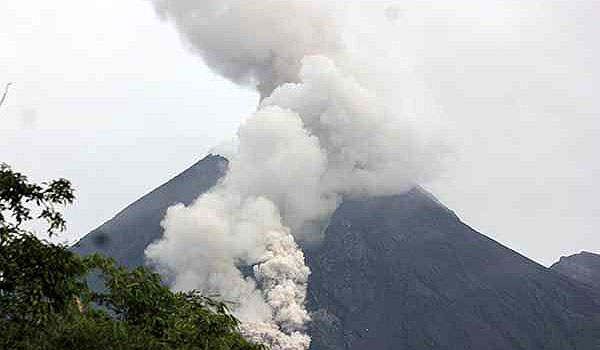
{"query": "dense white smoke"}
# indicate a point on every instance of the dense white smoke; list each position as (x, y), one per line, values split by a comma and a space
(256, 42)
(317, 136)
(205, 242)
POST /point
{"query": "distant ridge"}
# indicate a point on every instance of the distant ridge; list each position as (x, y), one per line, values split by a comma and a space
(583, 267)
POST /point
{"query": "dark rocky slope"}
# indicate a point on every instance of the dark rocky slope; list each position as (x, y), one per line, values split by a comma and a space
(399, 272)
(583, 267)
(403, 272)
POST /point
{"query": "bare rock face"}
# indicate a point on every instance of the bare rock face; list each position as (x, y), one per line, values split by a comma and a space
(398, 272)
(583, 267)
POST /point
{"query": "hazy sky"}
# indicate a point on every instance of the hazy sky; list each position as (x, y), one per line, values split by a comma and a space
(109, 97)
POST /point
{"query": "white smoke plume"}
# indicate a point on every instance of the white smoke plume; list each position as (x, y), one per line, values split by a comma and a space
(318, 135)
(205, 242)
(255, 42)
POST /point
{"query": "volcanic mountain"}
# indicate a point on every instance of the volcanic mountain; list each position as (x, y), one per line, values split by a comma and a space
(397, 272)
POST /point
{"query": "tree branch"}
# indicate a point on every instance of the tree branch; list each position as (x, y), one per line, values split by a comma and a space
(5, 93)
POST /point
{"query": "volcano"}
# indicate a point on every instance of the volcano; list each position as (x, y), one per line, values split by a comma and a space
(397, 272)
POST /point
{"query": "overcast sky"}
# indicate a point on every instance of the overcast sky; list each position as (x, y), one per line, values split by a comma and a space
(109, 97)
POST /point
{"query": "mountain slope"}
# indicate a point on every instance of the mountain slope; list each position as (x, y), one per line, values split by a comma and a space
(125, 236)
(399, 272)
(583, 267)
(403, 272)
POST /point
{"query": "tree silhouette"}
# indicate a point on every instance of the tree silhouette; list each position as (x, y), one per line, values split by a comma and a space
(45, 302)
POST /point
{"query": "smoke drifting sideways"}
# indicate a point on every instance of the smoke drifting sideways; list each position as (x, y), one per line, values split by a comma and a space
(318, 135)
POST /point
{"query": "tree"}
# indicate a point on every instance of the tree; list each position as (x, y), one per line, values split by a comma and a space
(45, 302)
(36, 278)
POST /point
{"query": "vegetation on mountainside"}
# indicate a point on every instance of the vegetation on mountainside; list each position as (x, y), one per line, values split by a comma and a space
(45, 302)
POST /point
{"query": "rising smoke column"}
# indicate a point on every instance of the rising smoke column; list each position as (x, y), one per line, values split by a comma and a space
(318, 135)
(235, 224)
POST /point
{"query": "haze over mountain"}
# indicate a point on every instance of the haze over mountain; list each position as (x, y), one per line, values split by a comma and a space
(397, 272)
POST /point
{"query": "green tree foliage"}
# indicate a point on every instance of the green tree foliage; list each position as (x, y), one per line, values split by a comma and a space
(45, 302)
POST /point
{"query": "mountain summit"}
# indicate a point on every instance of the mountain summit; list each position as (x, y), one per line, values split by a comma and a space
(397, 272)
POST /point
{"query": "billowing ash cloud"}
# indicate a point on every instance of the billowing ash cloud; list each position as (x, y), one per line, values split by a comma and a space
(204, 244)
(256, 42)
(318, 135)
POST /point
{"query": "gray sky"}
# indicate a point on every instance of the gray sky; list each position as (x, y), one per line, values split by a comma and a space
(108, 96)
